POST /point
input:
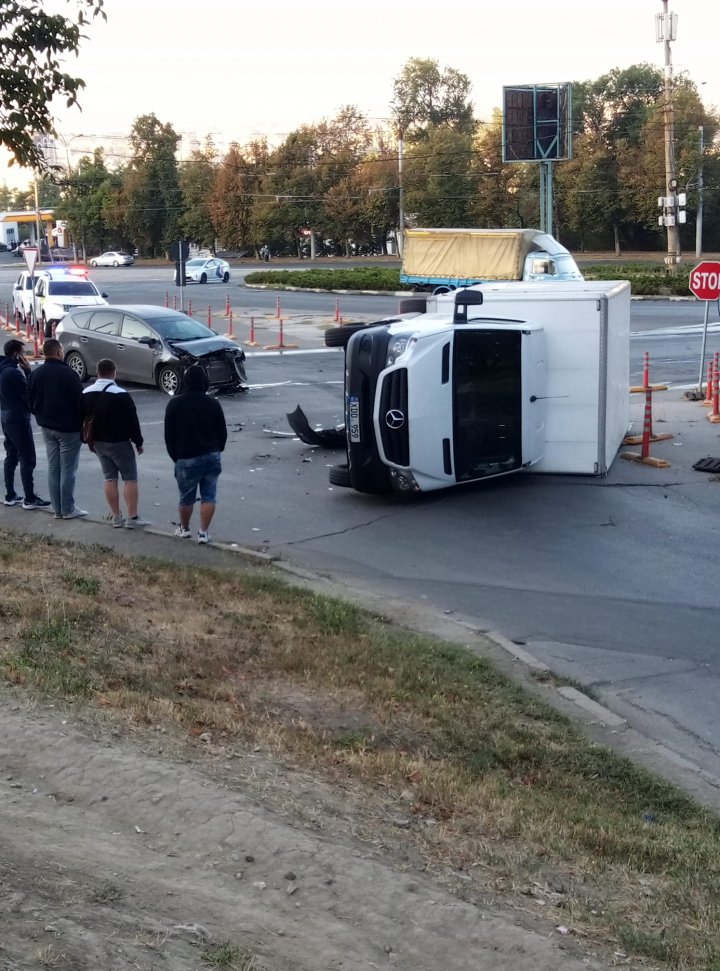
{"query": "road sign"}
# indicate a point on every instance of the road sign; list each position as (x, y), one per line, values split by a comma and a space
(30, 254)
(179, 250)
(705, 280)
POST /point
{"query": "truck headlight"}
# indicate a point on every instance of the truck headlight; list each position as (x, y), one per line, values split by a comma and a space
(403, 482)
(396, 347)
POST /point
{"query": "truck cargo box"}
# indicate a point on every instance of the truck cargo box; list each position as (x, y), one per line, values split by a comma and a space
(587, 339)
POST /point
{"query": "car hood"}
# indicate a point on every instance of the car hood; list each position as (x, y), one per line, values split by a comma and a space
(205, 346)
(79, 301)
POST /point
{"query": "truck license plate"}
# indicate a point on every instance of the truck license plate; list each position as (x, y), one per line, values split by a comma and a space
(354, 417)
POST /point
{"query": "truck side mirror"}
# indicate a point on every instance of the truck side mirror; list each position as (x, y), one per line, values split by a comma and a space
(463, 300)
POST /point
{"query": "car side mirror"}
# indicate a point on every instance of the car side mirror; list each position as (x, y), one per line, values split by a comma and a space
(148, 341)
(105, 295)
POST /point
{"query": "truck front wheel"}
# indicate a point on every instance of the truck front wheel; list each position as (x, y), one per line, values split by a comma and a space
(339, 336)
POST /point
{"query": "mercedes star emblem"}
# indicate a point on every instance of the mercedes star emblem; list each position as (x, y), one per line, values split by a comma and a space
(394, 419)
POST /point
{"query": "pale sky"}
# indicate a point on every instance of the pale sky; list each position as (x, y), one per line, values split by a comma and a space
(236, 69)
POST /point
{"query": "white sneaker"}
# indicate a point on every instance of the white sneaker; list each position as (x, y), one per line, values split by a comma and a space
(183, 532)
(203, 537)
(76, 514)
(136, 523)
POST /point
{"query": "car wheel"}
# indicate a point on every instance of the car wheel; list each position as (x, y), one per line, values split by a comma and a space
(203, 278)
(339, 475)
(168, 379)
(76, 362)
(115, 263)
(93, 262)
(226, 276)
(46, 327)
(339, 336)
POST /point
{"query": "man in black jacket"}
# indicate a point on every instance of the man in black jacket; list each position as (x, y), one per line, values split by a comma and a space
(195, 435)
(16, 426)
(55, 398)
(115, 429)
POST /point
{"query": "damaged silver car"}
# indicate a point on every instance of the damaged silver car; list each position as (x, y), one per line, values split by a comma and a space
(150, 345)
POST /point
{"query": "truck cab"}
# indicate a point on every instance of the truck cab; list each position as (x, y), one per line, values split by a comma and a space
(431, 402)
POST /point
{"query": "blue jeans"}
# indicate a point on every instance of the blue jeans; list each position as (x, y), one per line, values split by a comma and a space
(199, 473)
(19, 449)
(63, 455)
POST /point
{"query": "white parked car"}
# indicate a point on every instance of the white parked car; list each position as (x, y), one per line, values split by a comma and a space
(23, 293)
(113, 258)
(211, 270)
(58, 291)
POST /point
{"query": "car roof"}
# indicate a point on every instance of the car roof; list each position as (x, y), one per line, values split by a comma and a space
(148, 311)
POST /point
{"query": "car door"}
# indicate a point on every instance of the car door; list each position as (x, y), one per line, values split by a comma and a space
(100, 338)
(136, 361)
(38, 297)
(18, 293)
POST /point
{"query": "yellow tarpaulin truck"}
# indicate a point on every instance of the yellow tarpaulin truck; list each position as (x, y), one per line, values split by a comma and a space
(439, 260)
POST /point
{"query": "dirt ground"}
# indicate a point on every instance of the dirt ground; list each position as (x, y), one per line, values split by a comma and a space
(121, 854)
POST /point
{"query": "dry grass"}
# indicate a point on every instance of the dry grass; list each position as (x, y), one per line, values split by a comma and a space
(494, 785)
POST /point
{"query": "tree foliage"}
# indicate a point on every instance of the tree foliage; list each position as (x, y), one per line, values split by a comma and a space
(33, 43)
(151, 188)
(197, 179)
(426, 97)
(339, 178)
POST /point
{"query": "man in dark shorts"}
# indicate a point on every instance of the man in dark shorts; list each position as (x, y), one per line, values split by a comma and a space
(115, 429)
(195, 435)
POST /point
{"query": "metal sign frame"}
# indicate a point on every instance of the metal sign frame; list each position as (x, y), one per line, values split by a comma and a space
(537, 123)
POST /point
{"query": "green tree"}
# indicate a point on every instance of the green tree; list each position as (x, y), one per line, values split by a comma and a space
(92, 206)
(232, 199)
(426, 97)
(151, 186)
(33, 45)
(197, 179)
(441, 185)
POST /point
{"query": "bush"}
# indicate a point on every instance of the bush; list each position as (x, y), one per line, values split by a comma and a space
(645, 279)
(357, 278)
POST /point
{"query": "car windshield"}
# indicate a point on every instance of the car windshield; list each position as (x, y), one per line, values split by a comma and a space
(195, 263)
(72, 288)
(486, 403)
(180, 328)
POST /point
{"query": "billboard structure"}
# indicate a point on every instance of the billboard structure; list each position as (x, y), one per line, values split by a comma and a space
(537, 127)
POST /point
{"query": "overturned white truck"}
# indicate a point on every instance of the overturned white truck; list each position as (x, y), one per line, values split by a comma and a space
(502, 377)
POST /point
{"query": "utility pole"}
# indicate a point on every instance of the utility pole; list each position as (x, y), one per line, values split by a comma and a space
(665, 32)
(401, 195)
(38, 221)
(699, 219)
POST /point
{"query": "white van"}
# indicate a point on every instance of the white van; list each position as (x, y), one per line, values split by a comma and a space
(511, 376)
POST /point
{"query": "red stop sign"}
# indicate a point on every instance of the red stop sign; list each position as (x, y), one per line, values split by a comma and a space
(705, 280)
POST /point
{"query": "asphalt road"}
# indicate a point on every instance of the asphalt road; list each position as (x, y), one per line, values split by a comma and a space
(611, 581)
(670, 330)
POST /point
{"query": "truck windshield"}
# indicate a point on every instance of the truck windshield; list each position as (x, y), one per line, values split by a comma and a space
(487, 420)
